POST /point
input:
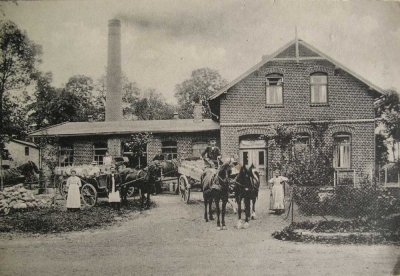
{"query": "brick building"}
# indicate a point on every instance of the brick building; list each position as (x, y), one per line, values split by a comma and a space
(296, 86)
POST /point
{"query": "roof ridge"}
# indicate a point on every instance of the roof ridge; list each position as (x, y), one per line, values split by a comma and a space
(44, 128)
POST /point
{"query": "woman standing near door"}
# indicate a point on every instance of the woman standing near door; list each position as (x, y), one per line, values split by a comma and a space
(277, 195)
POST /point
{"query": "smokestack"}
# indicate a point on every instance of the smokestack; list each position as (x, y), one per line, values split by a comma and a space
(114, 86)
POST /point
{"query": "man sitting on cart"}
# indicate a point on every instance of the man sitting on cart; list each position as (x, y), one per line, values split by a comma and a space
(212, 154)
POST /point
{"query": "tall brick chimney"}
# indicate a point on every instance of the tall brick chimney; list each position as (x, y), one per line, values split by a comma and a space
(114, 86)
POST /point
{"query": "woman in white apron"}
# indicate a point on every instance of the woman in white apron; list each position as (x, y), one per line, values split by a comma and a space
(277, 198)
(74, 195)
(113, 186)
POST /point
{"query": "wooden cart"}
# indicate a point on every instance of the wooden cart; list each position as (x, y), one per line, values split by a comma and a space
(190, 172)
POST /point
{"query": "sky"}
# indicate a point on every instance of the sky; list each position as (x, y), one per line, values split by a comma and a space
(164, 41)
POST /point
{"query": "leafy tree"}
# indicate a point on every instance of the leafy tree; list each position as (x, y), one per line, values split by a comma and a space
(18, 59)
(44, 95)
(137, 146)
(202, 84)
(153, 107)
(381, 149)
(389, 113)
(130, 95)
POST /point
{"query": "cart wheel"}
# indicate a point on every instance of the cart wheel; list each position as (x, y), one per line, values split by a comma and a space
(184, 188)
(62, 188)
(89, 195)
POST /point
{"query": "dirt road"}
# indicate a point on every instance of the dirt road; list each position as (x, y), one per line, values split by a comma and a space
(173, 239)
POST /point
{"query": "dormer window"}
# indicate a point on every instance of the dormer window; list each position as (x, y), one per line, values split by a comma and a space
(319, 88)
(274, 89)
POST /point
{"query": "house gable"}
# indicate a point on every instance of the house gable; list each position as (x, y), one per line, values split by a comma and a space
(288, 52)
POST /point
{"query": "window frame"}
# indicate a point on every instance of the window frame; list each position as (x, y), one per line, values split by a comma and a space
(335, 148)
(318, 85)
(299, 137)
(98, 158)
(166, 154)
(66, 148)
(267, 84)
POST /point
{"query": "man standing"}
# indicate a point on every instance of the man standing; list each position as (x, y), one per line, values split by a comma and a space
(212, 154)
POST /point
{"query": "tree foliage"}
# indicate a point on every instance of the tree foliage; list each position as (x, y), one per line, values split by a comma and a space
(202, 84)
(389, 113)
(18, 59)
(152, 106)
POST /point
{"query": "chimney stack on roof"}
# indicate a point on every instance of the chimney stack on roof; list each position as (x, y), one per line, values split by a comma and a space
(114, 86)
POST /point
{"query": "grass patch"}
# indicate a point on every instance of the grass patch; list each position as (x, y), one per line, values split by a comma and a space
(384, 231)
(57, 219)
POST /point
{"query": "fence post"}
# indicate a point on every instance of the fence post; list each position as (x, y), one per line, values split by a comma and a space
(292, 203)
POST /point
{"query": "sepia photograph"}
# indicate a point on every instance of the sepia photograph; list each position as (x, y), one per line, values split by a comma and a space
(173, 137)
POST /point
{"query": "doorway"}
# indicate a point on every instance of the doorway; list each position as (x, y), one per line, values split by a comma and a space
(254, 152)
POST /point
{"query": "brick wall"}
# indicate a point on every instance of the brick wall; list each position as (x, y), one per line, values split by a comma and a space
(184, 142)
(348, 98)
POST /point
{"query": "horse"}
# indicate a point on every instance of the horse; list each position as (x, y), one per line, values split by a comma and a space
(215, 184)
(140, 179)
(158, 168)
(246, 186)
(21, 173)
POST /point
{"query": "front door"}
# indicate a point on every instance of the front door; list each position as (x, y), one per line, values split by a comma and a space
(254, 152)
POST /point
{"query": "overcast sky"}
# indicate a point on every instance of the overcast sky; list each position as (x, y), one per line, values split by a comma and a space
(163, 41)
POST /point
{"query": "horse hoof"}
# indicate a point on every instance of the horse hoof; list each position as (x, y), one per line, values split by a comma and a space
(211, 218)
(224, 228)
(219, 228)
(239, 224)
(246, 225)
(253, 216)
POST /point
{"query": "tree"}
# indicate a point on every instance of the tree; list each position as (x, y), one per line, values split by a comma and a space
(203, 83)
(153, 107)
(388, 114)
(137, 146)
(18, 59)
(130, 95)
(44, 94)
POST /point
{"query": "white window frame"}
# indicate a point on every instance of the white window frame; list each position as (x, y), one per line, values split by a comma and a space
(273, 83)
(169, 150)
(338, 151)
(67, 151)
(316, 89)
(98, 158)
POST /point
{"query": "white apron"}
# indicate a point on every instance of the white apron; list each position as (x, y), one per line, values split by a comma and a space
(113, 196)
(277, 193)
(74, 195)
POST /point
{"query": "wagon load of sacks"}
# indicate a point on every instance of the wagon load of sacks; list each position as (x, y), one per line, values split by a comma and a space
(18, 198)
(81, 170)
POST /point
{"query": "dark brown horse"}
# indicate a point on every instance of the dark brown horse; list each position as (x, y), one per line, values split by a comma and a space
(140, 179)
(215, 185)
(247, 184)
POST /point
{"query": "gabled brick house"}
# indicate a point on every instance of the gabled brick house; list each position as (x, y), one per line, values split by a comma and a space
(295, 85)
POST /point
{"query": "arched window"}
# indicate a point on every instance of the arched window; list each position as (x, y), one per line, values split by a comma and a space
(342, 150)
(169, 149)
(99, 151)
(274, 89)
(65, 155)
(319, 88)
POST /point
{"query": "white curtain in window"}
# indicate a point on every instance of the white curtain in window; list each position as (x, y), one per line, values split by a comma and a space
(274, 95)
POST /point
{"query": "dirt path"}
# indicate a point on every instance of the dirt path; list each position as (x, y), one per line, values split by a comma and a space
(173, 239)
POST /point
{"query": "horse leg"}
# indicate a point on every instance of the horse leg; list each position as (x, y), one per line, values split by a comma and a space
(205, 209)
(239, 208)
(247, 211)
(253, 213)
(148, 201)
(141, 199)
(218, 213)
(209, 209)
(224, 202)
